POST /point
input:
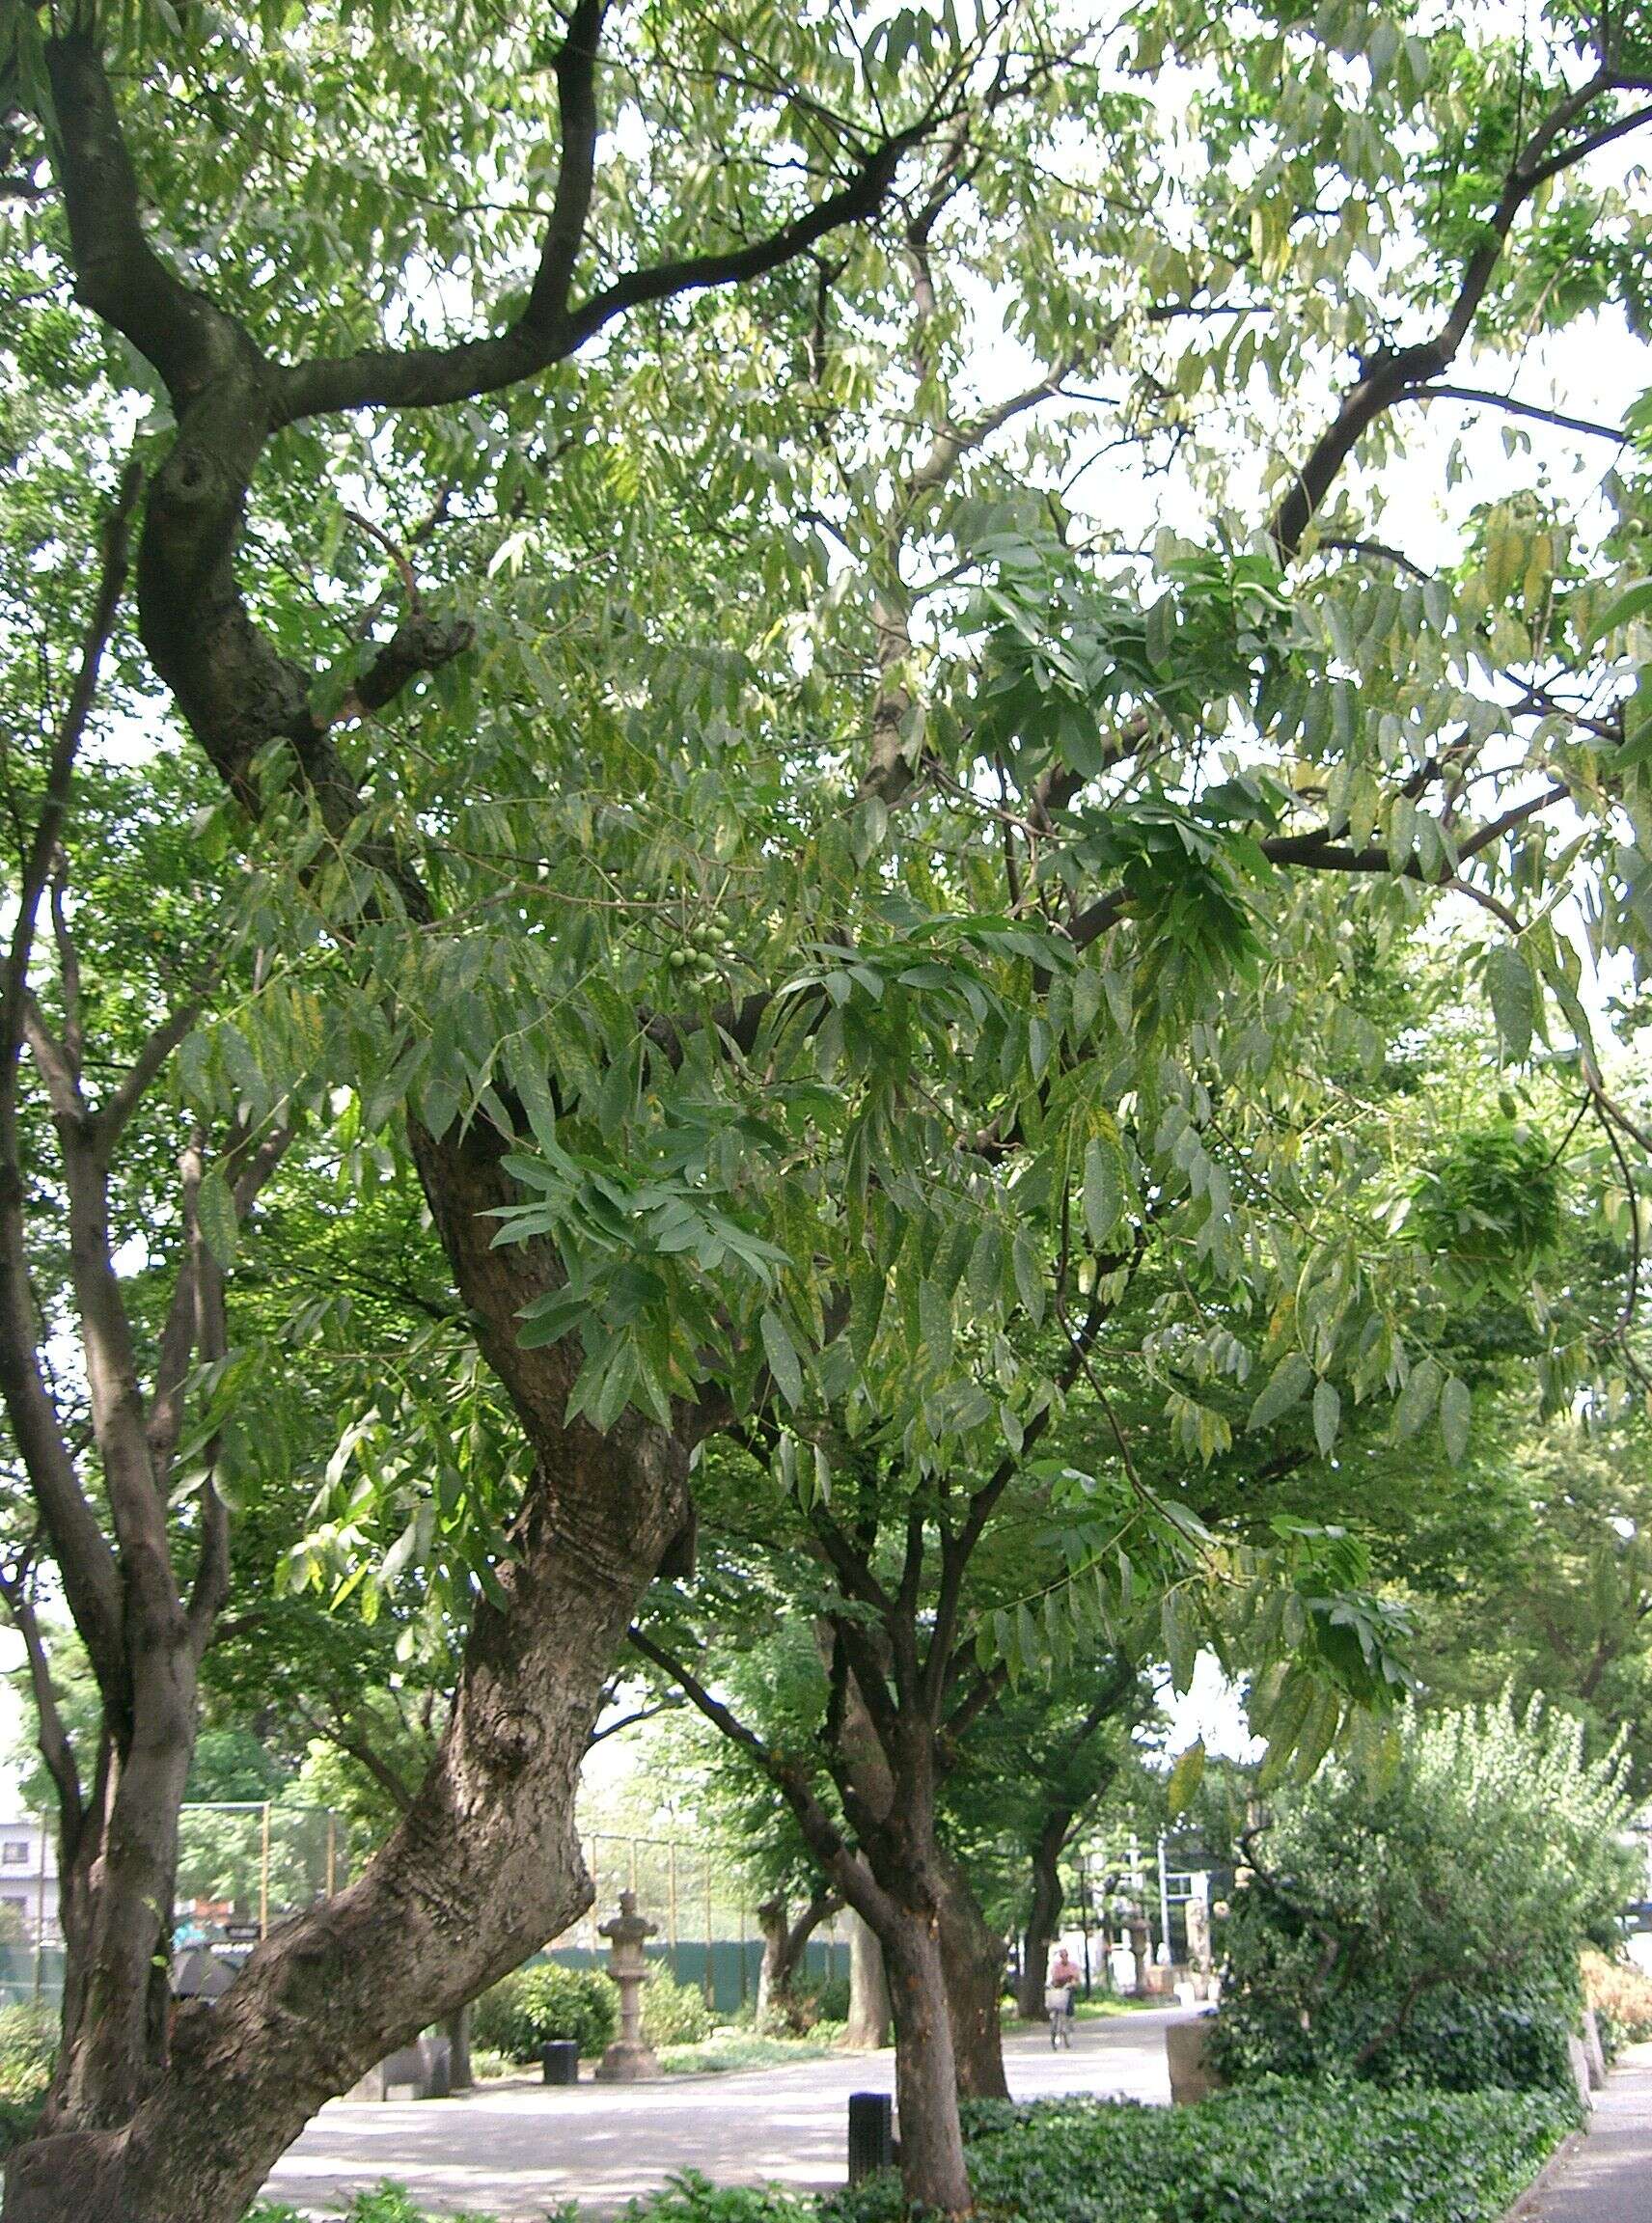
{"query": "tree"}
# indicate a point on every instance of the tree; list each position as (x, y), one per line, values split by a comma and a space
(775, 850)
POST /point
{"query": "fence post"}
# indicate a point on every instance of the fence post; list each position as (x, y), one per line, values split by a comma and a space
(264, 1875)
(710, 1983)
(671, 1930)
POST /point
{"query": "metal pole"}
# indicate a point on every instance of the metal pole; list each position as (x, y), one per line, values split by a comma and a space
(1083, 1923)
(264, 1876)
(40, 1915)
(1165, 1901)
(596, 1892)
(670, 1886)
(710, 1987)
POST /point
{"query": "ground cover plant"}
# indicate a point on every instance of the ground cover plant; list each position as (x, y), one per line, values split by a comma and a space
(1279, 2153)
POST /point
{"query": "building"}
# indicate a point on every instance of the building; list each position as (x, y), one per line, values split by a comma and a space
(28, 1882)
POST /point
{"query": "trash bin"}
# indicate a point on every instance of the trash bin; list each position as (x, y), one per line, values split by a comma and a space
(871, 2135)
(560, 2059)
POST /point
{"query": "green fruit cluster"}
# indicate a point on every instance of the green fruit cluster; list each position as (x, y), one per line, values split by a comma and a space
(702, 957)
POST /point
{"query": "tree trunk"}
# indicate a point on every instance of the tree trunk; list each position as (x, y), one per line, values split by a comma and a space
(459, 2076)
(868, 2022)
(772, 1922)
(784, 1942)
(932, 2172)
(484, 1866)
(1043, 1915)
(973, 1959)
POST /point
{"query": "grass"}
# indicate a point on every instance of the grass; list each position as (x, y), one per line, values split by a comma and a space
(733, 2049)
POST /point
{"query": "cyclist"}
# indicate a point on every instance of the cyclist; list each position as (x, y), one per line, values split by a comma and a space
(1060, 1990)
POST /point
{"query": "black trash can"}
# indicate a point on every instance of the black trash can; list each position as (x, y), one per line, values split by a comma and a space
(560, 2059)
(871, 2135)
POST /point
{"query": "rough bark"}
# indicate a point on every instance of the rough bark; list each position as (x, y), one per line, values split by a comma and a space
(867, 2026)
(932, 2172)
(784, 1944)
(482, 1868)
(1043, 1913)
(460, 2077)
(972, 1955)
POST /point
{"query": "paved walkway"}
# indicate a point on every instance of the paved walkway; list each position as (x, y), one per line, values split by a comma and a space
(1609, 2178)
(514, 2149)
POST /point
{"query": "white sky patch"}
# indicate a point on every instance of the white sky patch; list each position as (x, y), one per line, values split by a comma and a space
(1211, 1708)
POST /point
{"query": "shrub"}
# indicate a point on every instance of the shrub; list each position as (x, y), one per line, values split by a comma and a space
(1424, 1927)
(674, 2013)
(28, 2049)
(1286, 2153)
(804, 2007)
(1621, 1996)
(532, 2005)
(691, 2198)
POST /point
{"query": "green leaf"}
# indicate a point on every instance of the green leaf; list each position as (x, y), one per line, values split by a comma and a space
(782, 1354)
(1103, 1191)
(1285, 1385)
(1186, 1776)
(1418, 1399)
(1456, 1410)
(1326, 1417)
(1181, 1638)
(1513, 999)
(216, 1212)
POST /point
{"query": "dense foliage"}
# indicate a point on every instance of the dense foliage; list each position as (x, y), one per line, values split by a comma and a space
(531, 2006)
(1283, 2151)
(783, 657)
(1423, 1925)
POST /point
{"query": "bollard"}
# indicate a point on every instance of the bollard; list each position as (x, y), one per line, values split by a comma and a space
(560, 2057)
(871, 2135)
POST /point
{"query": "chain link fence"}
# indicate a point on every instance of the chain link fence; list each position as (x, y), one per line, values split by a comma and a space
(706, 1927)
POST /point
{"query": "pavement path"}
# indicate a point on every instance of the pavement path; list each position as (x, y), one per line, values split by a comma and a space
(514, 2149)
(1609, 2176)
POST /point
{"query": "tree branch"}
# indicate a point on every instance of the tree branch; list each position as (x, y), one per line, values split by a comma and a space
(424, 377)
(1396, 374)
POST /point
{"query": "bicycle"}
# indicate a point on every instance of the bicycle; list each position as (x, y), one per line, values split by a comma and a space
(1059, 2006)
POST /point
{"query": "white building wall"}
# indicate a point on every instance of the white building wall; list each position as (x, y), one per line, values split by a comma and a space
(28, 1879)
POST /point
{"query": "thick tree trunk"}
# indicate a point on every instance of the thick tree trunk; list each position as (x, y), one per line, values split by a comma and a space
(932, 2171)
(867, 2027)
(115, 2022)
(972, 1955)
(457, 2027)
(483, 1867)
(1043, 1915)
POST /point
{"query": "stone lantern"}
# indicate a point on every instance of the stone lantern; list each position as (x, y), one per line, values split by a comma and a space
(630, 2057)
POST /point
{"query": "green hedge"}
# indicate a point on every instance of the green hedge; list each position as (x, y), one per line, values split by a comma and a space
(1274, 2153)
(674, 2013)
(532, 2005)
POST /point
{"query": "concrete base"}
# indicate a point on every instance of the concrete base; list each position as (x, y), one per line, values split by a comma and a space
(624, 2064)
(1187, 2052)
(419, 2071)
(1594, 2051)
